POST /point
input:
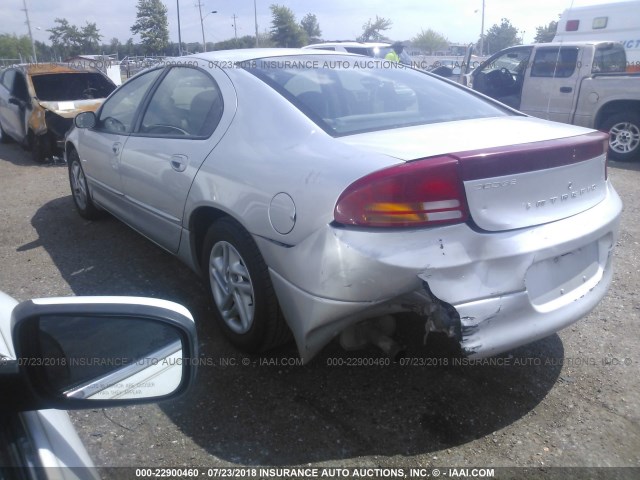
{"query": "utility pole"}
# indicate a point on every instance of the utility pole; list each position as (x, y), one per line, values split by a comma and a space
(482, 31)
(179, 34)
(204, 45)
(235, 28)
(33, 45)
(199, 5)
(255, 14)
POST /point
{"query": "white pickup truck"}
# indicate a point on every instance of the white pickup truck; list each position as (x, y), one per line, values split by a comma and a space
(582, 83)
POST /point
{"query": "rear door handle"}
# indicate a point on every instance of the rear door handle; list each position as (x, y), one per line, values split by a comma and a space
(566, 89)
(179, 162)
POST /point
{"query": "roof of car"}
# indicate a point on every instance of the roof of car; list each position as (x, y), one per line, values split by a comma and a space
(348, 44)
(577, 43)
(246, 54)
(46, 68)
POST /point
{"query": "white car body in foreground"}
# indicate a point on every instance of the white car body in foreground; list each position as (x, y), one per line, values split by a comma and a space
(354, 191)
(40, 368)
(46, 428)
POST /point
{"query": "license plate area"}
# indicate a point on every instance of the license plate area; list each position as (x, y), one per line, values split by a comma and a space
(559, 280)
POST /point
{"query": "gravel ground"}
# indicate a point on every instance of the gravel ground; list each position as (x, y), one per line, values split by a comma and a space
(572, 399)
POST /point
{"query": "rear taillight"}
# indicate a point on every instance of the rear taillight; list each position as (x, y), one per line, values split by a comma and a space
(419, 193)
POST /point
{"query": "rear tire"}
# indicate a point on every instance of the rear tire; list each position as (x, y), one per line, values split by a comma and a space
(624, 136)
(80, 189)
(238, 279)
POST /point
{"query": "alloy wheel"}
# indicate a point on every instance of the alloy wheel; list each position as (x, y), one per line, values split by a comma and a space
(232, 287)
(624, 137)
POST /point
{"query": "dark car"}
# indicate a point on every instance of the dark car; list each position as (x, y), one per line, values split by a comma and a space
(38, 103)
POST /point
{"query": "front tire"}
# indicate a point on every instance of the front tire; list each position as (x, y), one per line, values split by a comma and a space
(80, 189)
(624, 136)
(239, 282)
(40, 150)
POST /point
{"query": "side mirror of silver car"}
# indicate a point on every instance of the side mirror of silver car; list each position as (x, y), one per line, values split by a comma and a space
(95, 352)
(85, 120)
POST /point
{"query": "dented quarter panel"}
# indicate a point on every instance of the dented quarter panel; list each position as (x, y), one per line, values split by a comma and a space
(481, 274)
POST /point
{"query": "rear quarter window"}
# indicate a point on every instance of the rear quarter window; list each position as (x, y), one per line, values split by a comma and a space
(609, 59)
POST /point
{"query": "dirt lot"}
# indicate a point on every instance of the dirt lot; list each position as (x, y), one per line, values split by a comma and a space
(571, 399)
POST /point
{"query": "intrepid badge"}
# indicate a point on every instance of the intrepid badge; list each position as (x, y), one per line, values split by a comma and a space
(562, 198)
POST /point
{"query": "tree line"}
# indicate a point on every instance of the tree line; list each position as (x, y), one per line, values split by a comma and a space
(151, 26)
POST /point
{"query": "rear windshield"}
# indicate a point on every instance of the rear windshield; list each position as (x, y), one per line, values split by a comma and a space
(71, 86)
(347, 95)
(378, 52)
(609, 59)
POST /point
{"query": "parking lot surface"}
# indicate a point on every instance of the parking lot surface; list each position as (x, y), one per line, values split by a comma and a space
(572, 399)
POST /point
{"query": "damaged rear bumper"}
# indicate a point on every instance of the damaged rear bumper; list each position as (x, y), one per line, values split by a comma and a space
(500, 289)
(494, 325)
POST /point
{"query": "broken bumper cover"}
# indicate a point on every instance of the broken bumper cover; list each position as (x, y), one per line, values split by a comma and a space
(58, 127)
(508, 288)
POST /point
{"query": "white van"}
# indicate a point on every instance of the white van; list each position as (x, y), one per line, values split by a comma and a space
(609, 21)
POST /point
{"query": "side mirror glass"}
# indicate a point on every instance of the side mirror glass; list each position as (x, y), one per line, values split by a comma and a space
(85, 120)
(107, 358)
(103, 354)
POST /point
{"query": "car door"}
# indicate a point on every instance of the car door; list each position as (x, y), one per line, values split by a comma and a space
(184, 118)
(5, 93)
(23, 99)
(550, 88)
(12, 110)
(502, 76)
(100, 148)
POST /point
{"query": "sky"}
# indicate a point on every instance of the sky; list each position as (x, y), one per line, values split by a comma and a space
(458, 20)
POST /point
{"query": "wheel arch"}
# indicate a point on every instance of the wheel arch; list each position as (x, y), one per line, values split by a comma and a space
(613, 107)
(199, 222)
(68, 146)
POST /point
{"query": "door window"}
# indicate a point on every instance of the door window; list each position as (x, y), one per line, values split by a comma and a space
(20, 88)
(7, 79)
(117, 113)
(502, 77)
(186, 103)
(554, 62)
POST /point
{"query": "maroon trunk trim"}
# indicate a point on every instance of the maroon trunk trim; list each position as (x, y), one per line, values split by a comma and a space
(528, 157)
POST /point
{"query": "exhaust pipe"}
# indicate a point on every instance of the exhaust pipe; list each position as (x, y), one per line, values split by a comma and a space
(376, 332)
(388, 345)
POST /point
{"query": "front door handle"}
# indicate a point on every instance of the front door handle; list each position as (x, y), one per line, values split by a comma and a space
(566, 89)
(116, 148)
(179, 162)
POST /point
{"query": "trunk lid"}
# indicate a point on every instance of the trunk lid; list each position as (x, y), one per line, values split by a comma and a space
(517, 171)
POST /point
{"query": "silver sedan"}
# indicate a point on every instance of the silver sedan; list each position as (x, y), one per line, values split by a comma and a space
(318, 194)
